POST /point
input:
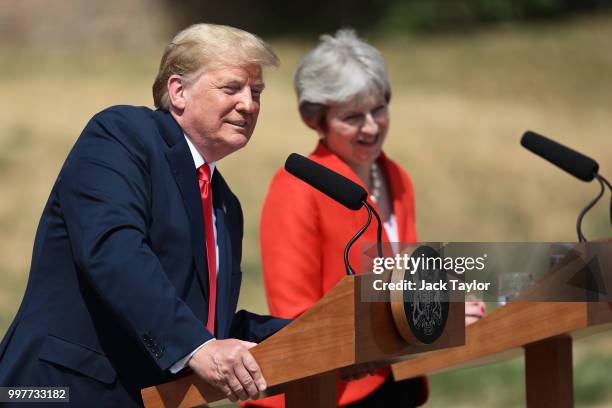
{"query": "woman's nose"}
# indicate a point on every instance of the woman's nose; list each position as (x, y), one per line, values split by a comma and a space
(370, 126)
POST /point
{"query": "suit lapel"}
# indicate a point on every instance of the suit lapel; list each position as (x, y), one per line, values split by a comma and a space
(399, 199)
(225, 257)
(183, 168)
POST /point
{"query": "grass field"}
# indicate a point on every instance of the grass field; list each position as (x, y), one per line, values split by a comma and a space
(460, 104)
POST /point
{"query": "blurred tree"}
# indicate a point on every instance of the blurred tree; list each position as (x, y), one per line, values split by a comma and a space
(48, 24)
(433, 15)
(128, 23)
(278, 17)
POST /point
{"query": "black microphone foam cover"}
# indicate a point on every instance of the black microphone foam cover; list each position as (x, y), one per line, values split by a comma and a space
(330, 183)
(574, 163)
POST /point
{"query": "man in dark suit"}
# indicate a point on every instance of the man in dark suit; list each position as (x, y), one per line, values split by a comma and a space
(141, 234)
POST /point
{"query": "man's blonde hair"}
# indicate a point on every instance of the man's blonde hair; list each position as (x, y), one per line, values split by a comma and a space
(208, 46)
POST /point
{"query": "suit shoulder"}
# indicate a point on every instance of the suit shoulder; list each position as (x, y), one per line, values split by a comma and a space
(118, 131)
(287, 189)
(124, 115)
(125, 111)
(283, 178)
(132, 125)
(284, 182)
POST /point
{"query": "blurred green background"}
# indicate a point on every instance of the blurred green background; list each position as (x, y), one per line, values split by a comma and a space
(468, 78)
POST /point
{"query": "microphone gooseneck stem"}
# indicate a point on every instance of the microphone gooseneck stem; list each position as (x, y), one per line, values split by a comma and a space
(581, 237)
(378, 229)
(349, 270)
(601, 178)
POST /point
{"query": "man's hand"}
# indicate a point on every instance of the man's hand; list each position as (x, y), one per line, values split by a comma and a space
(228, 365)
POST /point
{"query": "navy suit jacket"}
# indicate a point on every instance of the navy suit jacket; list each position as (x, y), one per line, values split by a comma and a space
(118, 286)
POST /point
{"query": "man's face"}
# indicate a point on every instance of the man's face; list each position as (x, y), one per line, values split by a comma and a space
(221, 109)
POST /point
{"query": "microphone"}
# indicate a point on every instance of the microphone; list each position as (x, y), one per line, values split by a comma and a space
(339, 188)
(334, 185)
(576, 164)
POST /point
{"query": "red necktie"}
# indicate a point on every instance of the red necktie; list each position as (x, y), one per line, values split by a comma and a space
(207, 207)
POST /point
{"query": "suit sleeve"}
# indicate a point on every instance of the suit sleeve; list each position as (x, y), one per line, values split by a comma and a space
(255, 328)
(104, 194)
(290, 247)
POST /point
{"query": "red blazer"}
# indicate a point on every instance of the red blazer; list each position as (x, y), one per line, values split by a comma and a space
(303, 234)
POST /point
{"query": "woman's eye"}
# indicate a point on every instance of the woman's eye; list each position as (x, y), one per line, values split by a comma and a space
(352, 118)
(379, 109)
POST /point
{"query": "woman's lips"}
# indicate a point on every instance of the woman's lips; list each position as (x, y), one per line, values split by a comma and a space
(368, 142)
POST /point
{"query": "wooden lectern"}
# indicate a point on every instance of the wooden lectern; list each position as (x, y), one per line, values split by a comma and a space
(542, 329)
(303, 359)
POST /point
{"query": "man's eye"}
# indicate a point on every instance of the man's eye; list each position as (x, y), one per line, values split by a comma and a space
(230, 89)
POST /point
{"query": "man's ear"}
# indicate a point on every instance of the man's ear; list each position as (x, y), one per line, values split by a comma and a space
(176, 92)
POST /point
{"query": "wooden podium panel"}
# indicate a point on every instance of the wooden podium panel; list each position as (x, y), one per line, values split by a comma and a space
(508, 329)
(303, 359)
(552, 357)
(542, 329)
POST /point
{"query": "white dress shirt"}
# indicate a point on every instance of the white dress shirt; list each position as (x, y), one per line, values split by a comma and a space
(199, 161)
(392, 232)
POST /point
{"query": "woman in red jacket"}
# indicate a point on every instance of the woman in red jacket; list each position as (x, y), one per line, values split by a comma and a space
(343, 93)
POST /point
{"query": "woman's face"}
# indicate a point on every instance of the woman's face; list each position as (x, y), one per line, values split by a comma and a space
(357, 128)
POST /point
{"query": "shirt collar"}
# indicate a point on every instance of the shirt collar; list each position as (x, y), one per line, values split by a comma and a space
(197, 156)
